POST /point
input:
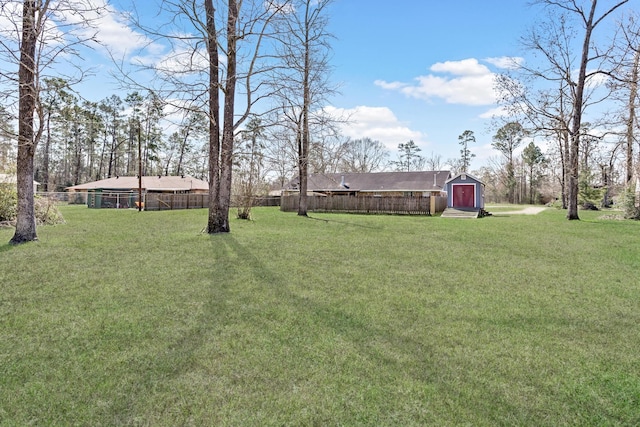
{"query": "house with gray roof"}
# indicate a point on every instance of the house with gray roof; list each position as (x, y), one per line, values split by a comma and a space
(377, 184)
(414, 193)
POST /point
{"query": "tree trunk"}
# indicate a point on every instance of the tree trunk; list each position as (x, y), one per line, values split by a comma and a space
(531, 183)
(183, 149)
(633, 94)
(77, 157)
(304, 137)
(112, 154)
(303, 175)
(576, 123)
(26, 218)
(589, 24)
(46, 155)
(214, 116)
(564, 147)
(228, 136)
(91, 151)
(100, 172)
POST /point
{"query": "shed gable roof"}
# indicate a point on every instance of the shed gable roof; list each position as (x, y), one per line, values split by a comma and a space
(468, 175)
(375, 181)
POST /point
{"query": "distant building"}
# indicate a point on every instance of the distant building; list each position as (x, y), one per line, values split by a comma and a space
(415, 193)
(122, 191)
(150, 184)
(378, 184)
(13, 180)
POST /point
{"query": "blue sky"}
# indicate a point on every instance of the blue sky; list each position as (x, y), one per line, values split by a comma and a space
(418, 70)
(423, 69)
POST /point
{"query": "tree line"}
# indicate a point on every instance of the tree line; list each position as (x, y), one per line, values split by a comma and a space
(241, 100)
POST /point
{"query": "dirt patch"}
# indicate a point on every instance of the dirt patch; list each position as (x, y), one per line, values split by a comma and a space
(529, 210)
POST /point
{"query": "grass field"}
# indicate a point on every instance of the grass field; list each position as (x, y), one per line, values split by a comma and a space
(127, 318)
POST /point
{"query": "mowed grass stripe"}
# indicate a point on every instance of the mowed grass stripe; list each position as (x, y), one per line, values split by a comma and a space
(127, 318)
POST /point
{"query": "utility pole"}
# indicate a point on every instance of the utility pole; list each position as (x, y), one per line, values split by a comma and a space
(139, 168)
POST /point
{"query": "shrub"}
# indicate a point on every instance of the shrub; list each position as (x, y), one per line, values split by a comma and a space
(8, 203)
(47, 212)
(45, 209)
(588, 196)
(629, 204)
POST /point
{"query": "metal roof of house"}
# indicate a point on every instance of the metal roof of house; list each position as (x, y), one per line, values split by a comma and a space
(375, 181)
(149, 183)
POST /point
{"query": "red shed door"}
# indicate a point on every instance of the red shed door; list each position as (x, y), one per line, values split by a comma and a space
(463, 196)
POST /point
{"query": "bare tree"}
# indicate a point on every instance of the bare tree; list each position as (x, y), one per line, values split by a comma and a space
(182, 142)
(249, 167)
(630, 136)
(434, 162)
(364, 155)
(33, 44)
(506, 140)
(326, 150)
(281, 153)
(590, 56)
(216, 54)
(559, 106)
(624, 87)
(254, 24)
(547, 110)
(590, 21)
(302, 81)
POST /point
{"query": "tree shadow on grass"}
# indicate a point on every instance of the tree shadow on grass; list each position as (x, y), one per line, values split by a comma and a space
(381, 355)
(383, 351)
(245, 301)
(6, 247)
(355, 224)
(238, 304)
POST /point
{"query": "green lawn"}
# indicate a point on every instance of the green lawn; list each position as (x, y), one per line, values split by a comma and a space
(127, 318)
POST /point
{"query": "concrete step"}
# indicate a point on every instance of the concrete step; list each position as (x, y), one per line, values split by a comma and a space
(460, 213)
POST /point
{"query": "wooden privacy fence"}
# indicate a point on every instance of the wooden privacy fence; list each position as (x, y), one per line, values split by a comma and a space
(366, 204)
(165, 201)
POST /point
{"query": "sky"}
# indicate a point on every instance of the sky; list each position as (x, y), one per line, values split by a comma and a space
(423, 70)
(418, 70)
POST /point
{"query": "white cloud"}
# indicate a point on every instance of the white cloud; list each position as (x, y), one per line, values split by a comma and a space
(466, 90)
(377, 123)
(506, 62)
(389, 85)
(119, 38)
(183, 61)
(595, 79)
(465, 82)
(10, 19)
(494, 112)
(466, 67)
